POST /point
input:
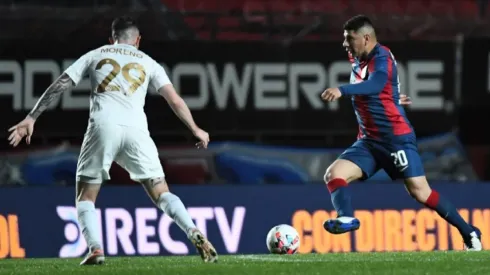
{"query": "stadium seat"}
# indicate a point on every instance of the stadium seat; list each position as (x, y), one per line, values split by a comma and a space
(243, 169)
(196, 22)
(243, 19)
(191, 5)
(467, 9)
(391, 8)
(254, 12)
(440, 8)
(333, 7)
(50, 167)
(363, 7)
(185, 171)
(236, 35)
(229, 21)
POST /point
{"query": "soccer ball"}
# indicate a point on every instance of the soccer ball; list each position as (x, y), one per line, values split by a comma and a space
(283, 239)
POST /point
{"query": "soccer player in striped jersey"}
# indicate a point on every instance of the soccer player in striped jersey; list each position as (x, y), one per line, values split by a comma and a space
(386, 139)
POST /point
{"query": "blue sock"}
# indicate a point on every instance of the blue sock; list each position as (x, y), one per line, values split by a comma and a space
(340, 197)
(448, 212)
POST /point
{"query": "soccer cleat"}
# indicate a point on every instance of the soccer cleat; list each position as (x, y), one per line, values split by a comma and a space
(203, 246)
(95, 257)
(341, 225)
(473, 241)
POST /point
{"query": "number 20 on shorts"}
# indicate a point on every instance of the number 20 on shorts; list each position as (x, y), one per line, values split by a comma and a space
(400, 158)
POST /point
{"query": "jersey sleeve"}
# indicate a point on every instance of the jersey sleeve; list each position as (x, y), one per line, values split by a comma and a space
(159, 77)
(78, 69)
(376, 81)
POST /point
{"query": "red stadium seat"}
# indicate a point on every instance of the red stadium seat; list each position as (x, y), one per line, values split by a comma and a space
(254, 11)
(328, 7)
(390, 8)
(417, 8)
(467, 9)
(187, 172)
(192, 5)
(232, 36)
(440, 8)
(229, 22)
(195, 22)
(362, 7)
(286, 12)
(395, 15)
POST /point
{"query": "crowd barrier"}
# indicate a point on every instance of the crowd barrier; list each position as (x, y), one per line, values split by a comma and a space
(41, 221)
(242, 163)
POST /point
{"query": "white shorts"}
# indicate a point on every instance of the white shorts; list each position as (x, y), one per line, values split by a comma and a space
(131, 148)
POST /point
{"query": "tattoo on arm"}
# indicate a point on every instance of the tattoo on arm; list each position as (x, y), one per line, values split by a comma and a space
(62, 84)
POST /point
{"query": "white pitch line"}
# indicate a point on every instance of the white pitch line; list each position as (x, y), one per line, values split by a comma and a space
(278, 258)
(320, 259)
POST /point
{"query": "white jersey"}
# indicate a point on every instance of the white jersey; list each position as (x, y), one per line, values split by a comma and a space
(119, 77)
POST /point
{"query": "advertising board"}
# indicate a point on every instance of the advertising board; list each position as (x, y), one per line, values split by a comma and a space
(41, 221)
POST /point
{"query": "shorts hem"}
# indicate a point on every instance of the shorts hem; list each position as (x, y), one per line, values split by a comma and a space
(411, 176)
(90, 180)
(142, 178)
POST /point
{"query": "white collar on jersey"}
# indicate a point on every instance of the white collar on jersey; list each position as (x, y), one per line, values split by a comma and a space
(124, 44)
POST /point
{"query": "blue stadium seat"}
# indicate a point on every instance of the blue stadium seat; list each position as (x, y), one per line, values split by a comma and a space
(244, 169)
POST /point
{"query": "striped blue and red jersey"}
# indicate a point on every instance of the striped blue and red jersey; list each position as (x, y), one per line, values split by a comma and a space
(375, 94)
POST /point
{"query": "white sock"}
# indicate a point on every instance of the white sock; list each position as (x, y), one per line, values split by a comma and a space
(175, 209)
(87, 218)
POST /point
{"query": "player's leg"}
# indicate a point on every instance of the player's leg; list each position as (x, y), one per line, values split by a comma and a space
(419, 189)
(140, 158)
(99, 147)
(86, 196)
(408, 165)
(355, 163)
(170, 204)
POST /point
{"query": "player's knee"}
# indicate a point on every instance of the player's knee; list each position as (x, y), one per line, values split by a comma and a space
(334, 180)
(86, 195)
(418, 188)
(87, 191)
(333, 172)
(420, 195)
(329, 176)
(342, 169)
(155, 187)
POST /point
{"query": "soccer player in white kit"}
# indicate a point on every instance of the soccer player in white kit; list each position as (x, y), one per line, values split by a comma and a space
(118, 131)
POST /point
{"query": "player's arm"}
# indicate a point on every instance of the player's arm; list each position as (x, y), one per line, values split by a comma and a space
(25, 128)
(404, 100)
(164, 87)
(59, 86)
(160, 81)
(181, 109)
(375, 83)
(178, 105)
(71, 76)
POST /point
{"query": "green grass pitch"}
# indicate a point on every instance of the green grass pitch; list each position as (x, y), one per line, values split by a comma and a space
(345, 263)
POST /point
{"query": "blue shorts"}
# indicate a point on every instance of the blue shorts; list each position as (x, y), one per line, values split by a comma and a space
(399, 158)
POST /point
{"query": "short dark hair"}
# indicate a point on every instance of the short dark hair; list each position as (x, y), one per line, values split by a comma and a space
(357, 22)
(121, 24)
